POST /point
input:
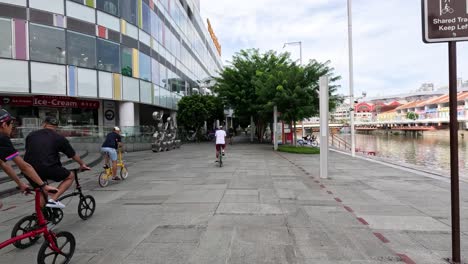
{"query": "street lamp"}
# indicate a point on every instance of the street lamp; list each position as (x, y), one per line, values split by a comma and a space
(300, 49)
(351, 92)
(300, 63)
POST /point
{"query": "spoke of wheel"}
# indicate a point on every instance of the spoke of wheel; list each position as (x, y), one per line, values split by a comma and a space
(64, 245)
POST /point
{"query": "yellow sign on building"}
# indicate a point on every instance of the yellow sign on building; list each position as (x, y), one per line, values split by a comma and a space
(213, 37)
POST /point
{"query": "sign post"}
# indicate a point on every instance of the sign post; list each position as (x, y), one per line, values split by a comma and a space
(447, 21)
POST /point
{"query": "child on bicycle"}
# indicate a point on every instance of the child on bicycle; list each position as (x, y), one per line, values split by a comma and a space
(220, 141)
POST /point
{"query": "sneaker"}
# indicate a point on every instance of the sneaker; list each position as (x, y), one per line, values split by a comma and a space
(54, 204)
(216, 160)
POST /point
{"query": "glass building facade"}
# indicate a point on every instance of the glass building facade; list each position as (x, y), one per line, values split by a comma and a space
(135, 52)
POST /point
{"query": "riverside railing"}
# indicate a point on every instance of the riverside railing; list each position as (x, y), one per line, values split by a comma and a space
(91, 137)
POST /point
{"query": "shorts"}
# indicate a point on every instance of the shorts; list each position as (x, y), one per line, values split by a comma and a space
(218, 146)
(112, 153)
(56, 173)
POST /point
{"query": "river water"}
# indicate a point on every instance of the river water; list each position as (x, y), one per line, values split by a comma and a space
(429, 152)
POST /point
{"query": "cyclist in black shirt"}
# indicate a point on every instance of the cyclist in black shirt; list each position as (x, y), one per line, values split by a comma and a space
(43, 149)
(111, 144)
(8, 152)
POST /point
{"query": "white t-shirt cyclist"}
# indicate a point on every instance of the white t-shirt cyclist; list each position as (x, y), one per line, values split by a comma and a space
(220, 136)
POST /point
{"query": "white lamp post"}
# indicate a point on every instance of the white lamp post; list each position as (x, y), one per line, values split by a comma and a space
(351, 81)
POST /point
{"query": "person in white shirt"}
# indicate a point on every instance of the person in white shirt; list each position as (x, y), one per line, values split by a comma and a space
(220, 141)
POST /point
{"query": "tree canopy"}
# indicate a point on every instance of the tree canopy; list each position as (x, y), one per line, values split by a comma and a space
(255, 82)
(194, 110)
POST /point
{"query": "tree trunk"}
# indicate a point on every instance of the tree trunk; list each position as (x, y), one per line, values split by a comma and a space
(294, 135)
(251, 129)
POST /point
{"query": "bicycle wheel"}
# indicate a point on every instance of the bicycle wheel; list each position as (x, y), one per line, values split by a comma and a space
(123, 172)
(24, 225)
(86, 207)
(65, 241)
(103, 179)
(314, 143)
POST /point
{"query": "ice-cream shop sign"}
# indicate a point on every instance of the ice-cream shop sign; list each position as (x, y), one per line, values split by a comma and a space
(445, 20)
(48, 101)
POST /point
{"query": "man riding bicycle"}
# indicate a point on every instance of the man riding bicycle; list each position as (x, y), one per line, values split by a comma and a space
(43, 149)
(220, 141)
(111, 144)
(8, 152)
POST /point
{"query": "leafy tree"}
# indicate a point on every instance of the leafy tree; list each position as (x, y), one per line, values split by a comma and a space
(255, 82)
(412, 115)
(194, 110)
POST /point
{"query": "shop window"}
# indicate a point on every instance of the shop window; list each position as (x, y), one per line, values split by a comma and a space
(109, 6)
(146, 12)
(126, 58)
(108, 58)
(5, 40)
(47, 44)
(81, 50)
(48, 78)
(145, 67)
(17, 71)
(128, 11)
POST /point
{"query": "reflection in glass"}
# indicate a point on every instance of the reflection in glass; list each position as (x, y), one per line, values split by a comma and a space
(5, 40)
(108, 58)
(146, 12)
(47, 44)
(145, 67)
(109, 6)
(128, 10)
(81, 50)
(126, 55)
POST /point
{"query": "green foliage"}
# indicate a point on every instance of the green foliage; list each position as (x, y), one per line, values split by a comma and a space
(255, 82)
(194, 110)
(299, 150)
(412, 116)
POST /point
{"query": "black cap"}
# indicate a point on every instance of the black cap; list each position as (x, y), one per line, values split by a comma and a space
(5, 116)
(51, 120)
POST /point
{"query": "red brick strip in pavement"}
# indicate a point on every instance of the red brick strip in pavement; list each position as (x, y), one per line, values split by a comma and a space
(338, 200)
(406, 259)
(382, 238)
(348, 209)
(362, 221)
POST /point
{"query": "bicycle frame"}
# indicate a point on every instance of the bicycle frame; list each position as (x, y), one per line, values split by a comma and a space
(119, 158)
(77, 190)
(43, 229)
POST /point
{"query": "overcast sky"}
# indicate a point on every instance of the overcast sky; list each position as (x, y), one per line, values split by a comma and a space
(389, 55)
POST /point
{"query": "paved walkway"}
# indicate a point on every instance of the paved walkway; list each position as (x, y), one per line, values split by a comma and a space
(261, 207)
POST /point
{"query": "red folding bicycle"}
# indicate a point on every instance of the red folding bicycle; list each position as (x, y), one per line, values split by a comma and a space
(58, 248)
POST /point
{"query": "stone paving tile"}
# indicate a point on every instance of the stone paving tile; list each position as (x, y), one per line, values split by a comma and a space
(179, 207)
